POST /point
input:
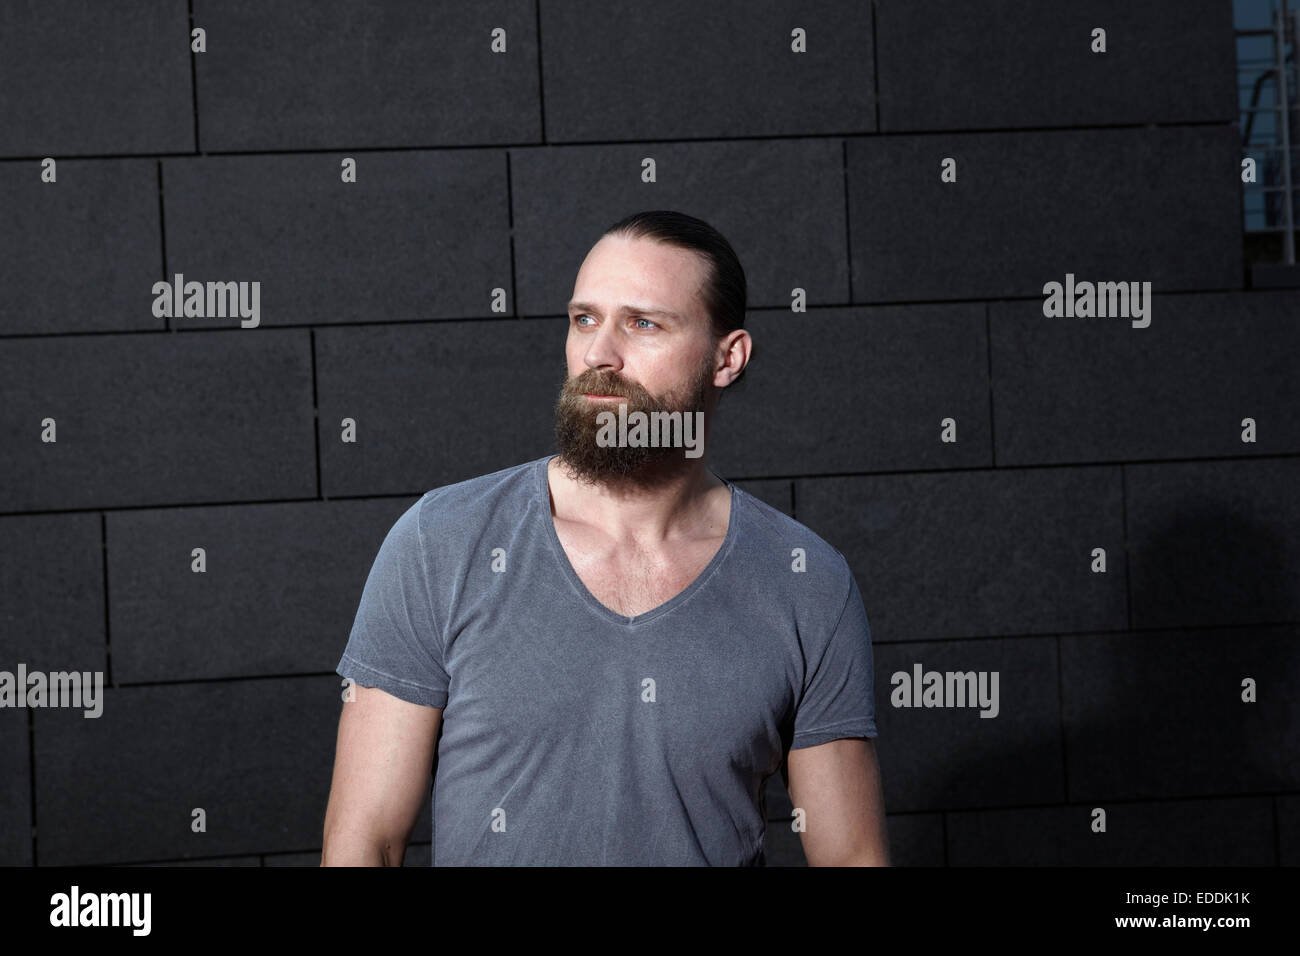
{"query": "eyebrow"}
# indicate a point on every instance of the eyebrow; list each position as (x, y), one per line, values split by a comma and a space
(638, 309)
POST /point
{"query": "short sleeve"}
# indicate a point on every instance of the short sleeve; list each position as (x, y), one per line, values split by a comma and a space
(395, 643)
(838, 694)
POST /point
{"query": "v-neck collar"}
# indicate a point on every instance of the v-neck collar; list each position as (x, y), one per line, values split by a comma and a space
(544, 511)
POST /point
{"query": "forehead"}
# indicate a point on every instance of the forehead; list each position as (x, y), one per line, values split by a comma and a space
(640, 272)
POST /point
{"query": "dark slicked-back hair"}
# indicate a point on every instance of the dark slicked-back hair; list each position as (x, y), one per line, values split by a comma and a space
(725, 292)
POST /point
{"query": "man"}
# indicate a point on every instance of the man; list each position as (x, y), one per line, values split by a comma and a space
(612, 650)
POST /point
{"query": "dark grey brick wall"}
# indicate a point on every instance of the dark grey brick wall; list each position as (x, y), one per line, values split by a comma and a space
(479, 171)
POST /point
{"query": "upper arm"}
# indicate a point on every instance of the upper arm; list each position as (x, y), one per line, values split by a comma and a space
(837, 785)
(382, 769)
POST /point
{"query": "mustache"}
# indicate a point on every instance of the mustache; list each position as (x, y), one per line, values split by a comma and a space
(602, 385)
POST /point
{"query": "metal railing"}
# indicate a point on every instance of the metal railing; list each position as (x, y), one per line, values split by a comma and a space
(1275, 179)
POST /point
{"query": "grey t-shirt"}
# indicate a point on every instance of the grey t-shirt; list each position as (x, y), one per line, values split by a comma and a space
(573, 735)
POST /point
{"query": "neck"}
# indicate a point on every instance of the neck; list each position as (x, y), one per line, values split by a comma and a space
(672, 499)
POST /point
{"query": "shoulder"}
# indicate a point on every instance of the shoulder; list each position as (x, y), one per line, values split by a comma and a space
(767, 527)
(772, 538)
(480, 490)
(460, 511)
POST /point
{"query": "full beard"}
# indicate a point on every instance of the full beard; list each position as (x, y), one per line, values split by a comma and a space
(616, 465)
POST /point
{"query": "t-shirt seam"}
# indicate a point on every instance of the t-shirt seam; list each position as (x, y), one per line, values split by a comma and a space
(424, 575)
(847, 595)
(348, 658)
(583, 594)
(803, 692)
(825, 650)
(838, 723)
(699, 585)
(558, 556)
(557, 550)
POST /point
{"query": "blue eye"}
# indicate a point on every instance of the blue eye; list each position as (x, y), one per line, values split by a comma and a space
(643, 319)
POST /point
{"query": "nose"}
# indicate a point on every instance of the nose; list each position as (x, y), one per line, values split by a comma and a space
(603, 352)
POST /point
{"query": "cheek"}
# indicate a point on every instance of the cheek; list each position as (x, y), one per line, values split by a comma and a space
(657, 371)
(662, 375)
(573, 356)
